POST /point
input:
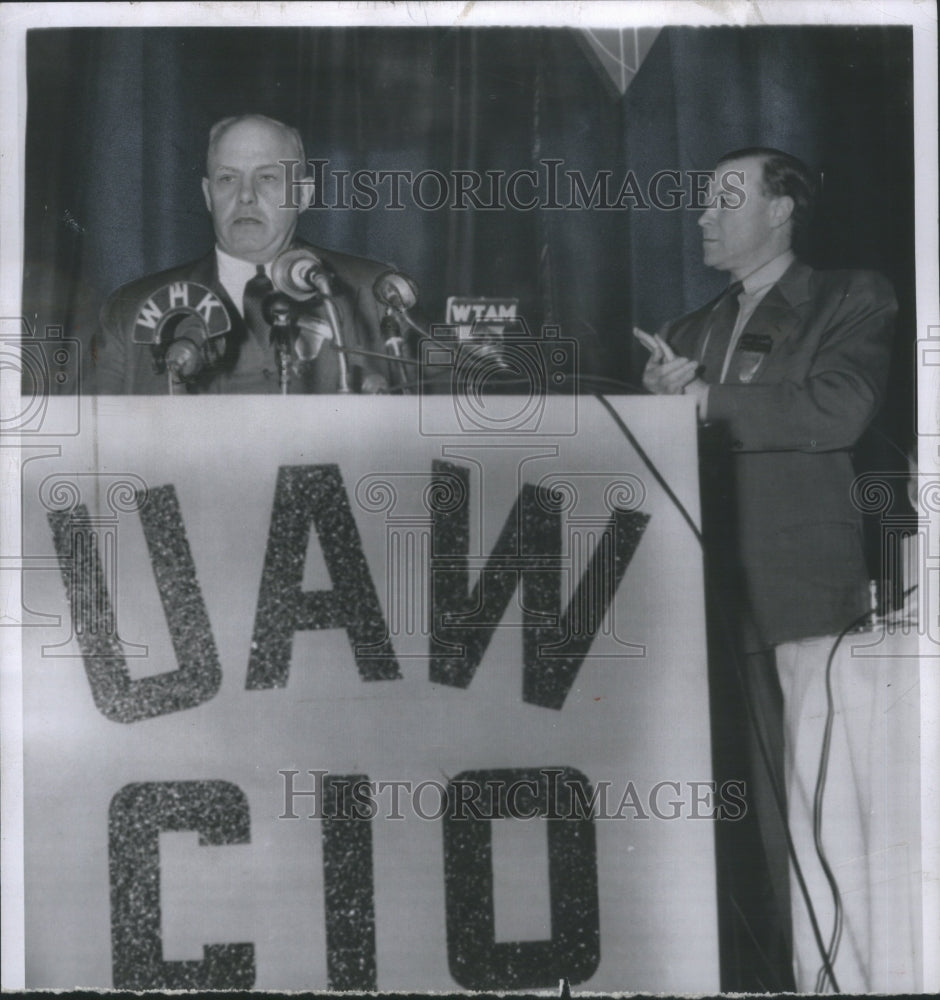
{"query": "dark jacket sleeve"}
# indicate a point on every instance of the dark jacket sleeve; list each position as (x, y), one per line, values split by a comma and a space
(112, 375)
(833, 384)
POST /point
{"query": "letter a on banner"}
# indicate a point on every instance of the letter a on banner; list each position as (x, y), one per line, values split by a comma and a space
(315, 494)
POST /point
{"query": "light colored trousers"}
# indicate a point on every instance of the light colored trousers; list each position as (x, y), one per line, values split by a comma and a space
(870, 811)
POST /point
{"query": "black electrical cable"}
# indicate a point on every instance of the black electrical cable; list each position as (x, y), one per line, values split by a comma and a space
(778, 796)
(836, 936)
(648, 462)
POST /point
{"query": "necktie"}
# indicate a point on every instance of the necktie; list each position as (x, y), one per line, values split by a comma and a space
(256, 288)
(721, 322)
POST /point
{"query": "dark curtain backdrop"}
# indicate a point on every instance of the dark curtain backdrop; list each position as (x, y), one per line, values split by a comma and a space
(117, 124)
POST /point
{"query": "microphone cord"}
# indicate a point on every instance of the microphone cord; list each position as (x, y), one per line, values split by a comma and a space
(837, 918)
(651, 466)
(837, 923)
(778, 795)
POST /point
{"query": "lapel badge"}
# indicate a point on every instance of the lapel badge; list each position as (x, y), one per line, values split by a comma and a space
(750, 353)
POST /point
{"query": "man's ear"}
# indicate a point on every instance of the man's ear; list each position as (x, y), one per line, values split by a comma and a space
(781, 210)
(205, 192)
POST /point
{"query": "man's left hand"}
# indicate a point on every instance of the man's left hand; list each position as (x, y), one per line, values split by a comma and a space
(699, 389)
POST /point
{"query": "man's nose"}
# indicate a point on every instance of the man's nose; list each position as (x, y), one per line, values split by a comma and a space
(706, 216)
(246, 193)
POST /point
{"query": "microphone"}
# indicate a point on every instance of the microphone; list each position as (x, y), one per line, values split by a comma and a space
(395, 291)
(302, 334)
(183, 355)
(398, 293)
(276, 309)
(184, 324)
(299, 273)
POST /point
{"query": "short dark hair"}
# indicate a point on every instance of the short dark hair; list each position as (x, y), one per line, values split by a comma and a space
(783, 175)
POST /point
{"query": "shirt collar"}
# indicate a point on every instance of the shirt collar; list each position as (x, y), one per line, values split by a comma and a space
(234, 271)
(768, 274)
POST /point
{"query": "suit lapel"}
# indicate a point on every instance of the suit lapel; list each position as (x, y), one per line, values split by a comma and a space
(778, 317)
(686, 334)
(209, 276)
(206, 272)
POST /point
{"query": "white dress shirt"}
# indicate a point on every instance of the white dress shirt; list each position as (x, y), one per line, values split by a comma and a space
(756, 285)
(234, 274)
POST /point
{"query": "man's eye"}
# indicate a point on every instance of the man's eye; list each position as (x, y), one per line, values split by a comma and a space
(224, 179)
(269, 177)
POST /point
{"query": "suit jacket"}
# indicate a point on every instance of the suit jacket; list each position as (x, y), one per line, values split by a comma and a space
(777, 469)
(122, 366)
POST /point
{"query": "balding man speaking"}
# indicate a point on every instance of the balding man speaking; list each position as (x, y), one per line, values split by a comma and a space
(225, 342)
(788, 366)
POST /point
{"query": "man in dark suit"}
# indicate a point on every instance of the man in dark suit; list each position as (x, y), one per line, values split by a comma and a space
(787, 366)
(254, 206)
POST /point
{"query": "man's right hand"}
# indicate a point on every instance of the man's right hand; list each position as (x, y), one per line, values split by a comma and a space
(665, 374)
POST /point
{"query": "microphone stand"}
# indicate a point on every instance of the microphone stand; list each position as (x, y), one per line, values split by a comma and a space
(277, 311)
(321, 284)
(392, 334)
(332, 316)
(299, 274)
(414, 326)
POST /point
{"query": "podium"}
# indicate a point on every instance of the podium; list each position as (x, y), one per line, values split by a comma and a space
(350, 693)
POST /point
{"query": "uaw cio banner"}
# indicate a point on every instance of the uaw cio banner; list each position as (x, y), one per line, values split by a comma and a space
(366, 694)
